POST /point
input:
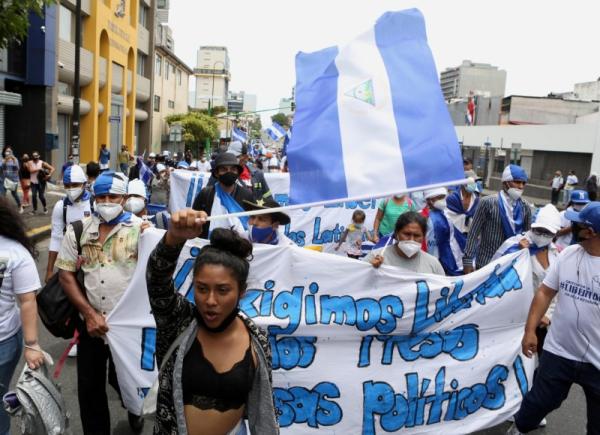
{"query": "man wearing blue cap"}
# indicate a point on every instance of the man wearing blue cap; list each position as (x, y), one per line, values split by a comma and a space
(579, 199)
(572, 348)
(498, 218)
(108, 259)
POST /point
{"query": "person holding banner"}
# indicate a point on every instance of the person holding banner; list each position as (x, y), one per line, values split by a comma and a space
(227, 195)
(441, 240)
(388, 212)
(406, 251)
(498, 217)
(109, 245)
(572, 347)
(221, 368)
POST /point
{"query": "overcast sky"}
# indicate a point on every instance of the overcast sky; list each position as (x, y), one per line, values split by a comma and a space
(543, 45)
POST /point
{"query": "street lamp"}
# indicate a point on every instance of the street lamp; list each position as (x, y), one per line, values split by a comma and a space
(75, 129)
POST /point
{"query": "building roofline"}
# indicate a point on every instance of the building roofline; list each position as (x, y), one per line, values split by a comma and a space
(181, 63)
(537, 97)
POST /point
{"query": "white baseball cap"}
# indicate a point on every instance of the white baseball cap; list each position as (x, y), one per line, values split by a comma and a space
(137, 187)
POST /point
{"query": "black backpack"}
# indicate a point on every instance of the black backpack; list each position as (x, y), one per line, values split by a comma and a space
(58, 314)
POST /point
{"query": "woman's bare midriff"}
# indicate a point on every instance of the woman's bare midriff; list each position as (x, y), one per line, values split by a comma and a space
(211, 421)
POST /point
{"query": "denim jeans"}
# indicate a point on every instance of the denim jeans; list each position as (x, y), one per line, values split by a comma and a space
(124, 167)
(551, 385)
(10, 353)
(15, 195)
(38, 189)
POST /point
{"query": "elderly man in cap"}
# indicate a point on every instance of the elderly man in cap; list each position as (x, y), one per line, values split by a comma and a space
(498, 218)
(231, 193)
(253, 178)
(109, 252)
(571, 351)
(268, 228)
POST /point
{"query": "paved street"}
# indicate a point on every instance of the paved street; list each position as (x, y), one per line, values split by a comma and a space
(569, 420)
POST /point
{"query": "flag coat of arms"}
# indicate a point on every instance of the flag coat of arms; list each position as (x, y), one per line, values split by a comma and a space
(370, 117)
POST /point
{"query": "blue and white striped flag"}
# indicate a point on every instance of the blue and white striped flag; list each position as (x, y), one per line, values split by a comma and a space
(286, 141)
(146, 174)
(276, 131)
(370, 117)
(237, 134)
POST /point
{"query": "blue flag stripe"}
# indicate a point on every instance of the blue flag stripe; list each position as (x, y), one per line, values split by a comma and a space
(311, 161)
(425, 129)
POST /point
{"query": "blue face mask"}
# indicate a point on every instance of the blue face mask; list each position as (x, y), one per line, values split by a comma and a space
(472, 188)
(264, 235)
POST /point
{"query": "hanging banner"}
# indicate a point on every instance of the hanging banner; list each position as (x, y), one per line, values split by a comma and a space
(317, 227)
(354, 347)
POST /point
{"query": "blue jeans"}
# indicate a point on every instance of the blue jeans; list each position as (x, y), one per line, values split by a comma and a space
(124, 167)
(551, 385)
(10, 353)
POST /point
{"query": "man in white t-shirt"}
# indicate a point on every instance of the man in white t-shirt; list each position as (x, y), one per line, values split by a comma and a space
(570, 184)
(572, 348)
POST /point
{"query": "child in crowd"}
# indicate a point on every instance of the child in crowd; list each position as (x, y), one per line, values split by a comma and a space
(353, 234)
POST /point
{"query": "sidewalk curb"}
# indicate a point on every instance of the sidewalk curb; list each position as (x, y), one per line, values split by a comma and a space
(39, 233)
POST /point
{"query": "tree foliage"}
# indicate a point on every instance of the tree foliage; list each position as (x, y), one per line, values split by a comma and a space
(197, 127)
(281, 119)
(14, 18)
(217, 110)
(255, 128)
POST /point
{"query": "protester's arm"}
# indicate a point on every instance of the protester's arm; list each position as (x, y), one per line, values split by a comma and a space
(33, 352)
(49, 167)
(56, 237)
(376, 223)
(167, 305)
(477, 225)
(564, 231)
(539, 306)
(342, 239)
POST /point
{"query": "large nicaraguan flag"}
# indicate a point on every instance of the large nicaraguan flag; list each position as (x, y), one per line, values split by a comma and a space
(276, 131)
(370, 117)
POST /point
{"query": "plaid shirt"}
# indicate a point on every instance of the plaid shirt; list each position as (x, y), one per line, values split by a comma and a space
(10, 169)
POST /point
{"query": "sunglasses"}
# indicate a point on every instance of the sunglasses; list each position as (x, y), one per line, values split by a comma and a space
(542, 232)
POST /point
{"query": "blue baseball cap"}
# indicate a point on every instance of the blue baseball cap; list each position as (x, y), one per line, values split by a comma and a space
(110, 182)
(580, 197)
(589, 215)
(514, 173)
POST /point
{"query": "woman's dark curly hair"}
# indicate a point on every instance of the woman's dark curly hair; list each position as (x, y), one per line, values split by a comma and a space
(12, 226)
(227, 248)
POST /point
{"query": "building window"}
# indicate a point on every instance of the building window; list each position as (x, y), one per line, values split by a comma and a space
(167, 69)
(143, 15)
(64, 89)
(141, 64)
(158, 67)
(66, 25)
(156, 103)
(161, 4)
(171, 104)
(179, 77)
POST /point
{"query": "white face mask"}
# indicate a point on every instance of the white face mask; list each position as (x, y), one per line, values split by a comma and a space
(410, 248)
(135, 205)
(109, 210)
(540, 241)
(74, 193)
(514, 193)
(440, 204)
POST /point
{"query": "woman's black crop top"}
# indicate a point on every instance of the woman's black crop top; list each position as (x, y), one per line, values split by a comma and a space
(205, 388)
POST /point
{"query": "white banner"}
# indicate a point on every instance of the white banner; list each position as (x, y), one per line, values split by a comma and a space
(317, 227)
(358, 347)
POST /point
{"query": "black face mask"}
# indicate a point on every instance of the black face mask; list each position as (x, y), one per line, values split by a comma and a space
(228, 179)
(223, 326)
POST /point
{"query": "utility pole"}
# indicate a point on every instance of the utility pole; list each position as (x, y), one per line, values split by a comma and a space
(75, 129)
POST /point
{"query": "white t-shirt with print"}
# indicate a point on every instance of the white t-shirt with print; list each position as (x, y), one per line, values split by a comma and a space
(19, 276)
(575, 331)
(75, 212)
